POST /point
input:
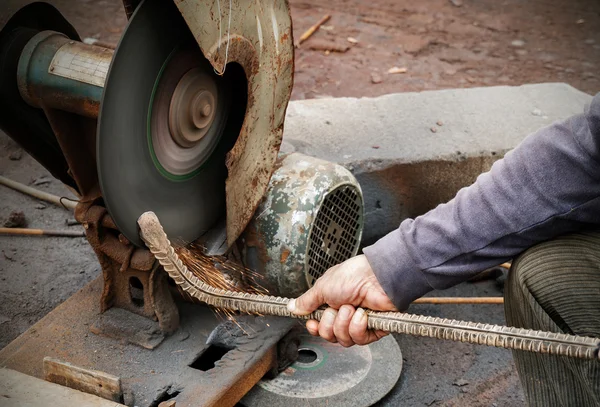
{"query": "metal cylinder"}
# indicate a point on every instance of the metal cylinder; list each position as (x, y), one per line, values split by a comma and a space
(310, 220)
(57, 72)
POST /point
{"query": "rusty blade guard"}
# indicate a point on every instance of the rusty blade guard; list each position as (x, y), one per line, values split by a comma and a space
(258, 36)
(581, 347)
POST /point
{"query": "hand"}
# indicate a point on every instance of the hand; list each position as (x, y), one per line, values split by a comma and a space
(344, 287)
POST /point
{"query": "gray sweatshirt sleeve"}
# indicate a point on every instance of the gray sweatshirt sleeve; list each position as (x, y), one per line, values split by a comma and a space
(547, 186)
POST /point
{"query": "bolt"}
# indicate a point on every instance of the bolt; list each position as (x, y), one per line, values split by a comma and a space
(206, 110)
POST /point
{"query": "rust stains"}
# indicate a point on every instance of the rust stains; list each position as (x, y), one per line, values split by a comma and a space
(251, 161)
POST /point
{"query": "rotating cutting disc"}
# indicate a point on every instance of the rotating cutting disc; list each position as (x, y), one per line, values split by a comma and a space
(327, 374)
(162, 132)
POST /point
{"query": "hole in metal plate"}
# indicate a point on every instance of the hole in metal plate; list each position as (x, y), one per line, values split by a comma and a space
(335, 233)
(206, 361)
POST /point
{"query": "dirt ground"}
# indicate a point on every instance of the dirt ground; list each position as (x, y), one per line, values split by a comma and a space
(479, 43)
(435, 43)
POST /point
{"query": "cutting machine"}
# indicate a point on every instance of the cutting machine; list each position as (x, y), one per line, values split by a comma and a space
(178, 130)
(183, 118)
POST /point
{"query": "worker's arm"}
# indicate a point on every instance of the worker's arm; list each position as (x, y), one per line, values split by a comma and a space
(547, 186)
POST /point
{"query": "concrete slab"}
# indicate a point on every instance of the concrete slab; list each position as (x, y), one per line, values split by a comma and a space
(412, 151)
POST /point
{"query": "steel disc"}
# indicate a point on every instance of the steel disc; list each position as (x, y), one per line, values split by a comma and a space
(327, 374)
(162, 129)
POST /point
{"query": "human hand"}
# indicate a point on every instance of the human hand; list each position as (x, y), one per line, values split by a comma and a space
(343, 287)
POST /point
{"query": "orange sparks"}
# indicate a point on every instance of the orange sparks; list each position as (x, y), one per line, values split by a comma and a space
(220, 272)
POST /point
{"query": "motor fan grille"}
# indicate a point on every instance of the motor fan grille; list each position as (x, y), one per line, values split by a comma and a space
(335, 234)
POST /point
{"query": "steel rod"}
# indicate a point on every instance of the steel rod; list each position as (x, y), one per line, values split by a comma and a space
(36, 193)
(41, 232)
(157, 241)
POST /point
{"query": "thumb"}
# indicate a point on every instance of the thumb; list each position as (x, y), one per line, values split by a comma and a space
(307, 302)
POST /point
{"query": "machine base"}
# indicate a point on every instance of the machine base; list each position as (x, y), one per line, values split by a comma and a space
(182, 368)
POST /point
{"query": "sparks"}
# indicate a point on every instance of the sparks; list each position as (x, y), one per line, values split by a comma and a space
(220, 272)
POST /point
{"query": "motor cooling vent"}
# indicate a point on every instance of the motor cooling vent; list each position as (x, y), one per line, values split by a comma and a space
(335, 234)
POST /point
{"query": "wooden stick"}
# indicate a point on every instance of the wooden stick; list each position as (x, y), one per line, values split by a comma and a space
(459, 300)
(308, 33)
(40, 232)
(44, 196)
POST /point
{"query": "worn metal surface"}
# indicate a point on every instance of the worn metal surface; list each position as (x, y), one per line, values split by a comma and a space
(127, 327)
(56, 72)
(297, 232)
(76, 135)
(151, 376)
(395, 322)
(257, 36)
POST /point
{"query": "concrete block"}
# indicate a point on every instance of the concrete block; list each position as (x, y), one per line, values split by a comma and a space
(413, 151)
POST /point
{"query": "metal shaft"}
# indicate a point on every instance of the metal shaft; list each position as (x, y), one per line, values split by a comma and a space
(59, 73)
(582, 347)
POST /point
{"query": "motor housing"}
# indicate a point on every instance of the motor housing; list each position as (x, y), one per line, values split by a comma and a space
(310, 219)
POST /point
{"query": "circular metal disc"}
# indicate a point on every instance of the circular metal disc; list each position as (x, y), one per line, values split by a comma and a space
(328, 374)
(131, 177)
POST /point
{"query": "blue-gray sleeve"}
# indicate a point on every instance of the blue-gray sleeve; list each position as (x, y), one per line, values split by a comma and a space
(547, 186)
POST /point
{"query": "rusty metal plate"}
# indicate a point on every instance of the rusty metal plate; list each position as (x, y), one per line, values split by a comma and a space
(183, 368)
(258, 36)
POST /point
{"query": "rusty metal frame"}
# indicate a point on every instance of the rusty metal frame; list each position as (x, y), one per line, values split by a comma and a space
(120, 260)
(258, 36)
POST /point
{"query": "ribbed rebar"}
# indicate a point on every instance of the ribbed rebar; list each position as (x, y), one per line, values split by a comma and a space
(499, 336)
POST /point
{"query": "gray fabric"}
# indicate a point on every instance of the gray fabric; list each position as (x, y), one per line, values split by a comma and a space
(555, 286)
(549, 185)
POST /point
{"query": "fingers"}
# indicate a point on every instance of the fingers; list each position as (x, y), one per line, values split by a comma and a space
(347, 326)
(312, 327)
(326, 325)
(341, 325)
(307, 302)
(358, 331)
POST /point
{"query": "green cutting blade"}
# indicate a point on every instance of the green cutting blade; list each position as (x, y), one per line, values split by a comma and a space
(162, 129)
